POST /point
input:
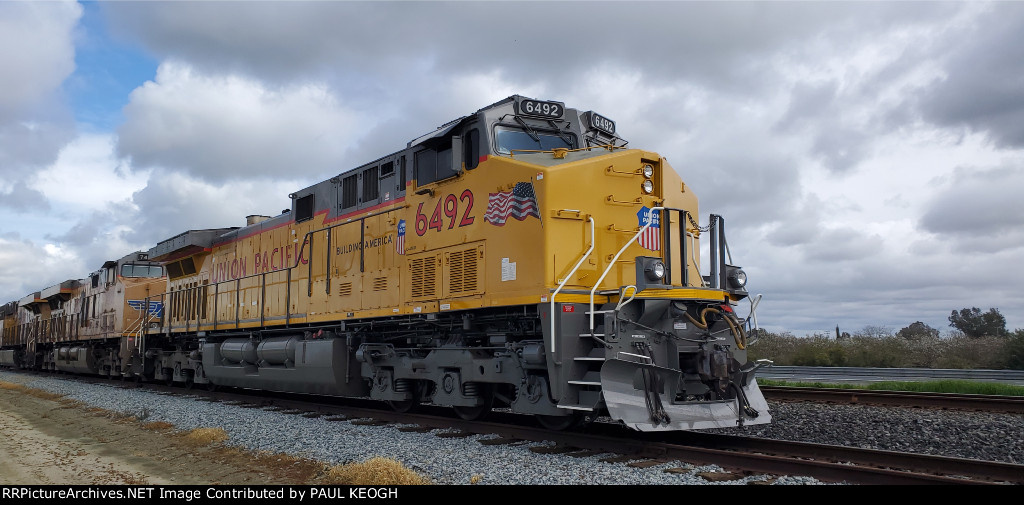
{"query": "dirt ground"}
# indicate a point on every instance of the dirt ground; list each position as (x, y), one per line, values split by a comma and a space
(51, 440)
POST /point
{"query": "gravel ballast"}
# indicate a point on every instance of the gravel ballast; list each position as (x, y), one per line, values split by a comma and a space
(455, 461)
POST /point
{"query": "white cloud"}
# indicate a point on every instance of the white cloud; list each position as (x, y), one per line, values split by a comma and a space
(174, 202)
(980, 210)
(87, 176)
(220, 127)
(38, 53)
(27, 267)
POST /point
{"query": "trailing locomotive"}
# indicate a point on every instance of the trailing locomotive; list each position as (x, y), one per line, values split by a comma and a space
(82, 326)
(519, 257)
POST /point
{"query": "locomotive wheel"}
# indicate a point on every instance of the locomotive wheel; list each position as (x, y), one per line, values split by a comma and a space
(421, 391)
(472, 413)
(403, 406)
(560, 423)
(189, 382)
(478, 412)
(211, 387)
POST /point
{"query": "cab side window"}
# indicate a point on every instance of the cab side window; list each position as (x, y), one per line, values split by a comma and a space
(426, 166)
(471, 149)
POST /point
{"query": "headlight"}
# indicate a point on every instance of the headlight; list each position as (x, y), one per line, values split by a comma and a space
(648, 171)
(737, 278)
(655, 270)
(648, 186)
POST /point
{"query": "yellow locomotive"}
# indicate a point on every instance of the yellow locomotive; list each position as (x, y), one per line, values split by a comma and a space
(86, 325)
(518, 257)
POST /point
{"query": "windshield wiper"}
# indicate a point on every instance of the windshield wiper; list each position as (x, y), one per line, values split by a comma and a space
(565, 138)
(529, 131)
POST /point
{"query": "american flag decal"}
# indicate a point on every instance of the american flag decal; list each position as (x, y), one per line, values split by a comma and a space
(651, 237)
(400, 241)
(519, 203)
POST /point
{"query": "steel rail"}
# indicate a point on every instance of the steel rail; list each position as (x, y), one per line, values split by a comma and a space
(985, 403)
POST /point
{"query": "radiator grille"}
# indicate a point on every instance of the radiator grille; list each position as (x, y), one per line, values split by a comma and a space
(424, 277)
(462, 272)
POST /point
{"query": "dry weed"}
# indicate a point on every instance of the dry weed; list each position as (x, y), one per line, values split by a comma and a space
(11, 386)
(68, 403)
(38, 393)
(295, 469)
(207, 436)
(374, 472)
(158, 426)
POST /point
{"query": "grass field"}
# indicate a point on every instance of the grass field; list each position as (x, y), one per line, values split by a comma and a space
(939, 386)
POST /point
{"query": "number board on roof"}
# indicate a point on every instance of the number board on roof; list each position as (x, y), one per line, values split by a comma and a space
(537, 108)
(602, 123)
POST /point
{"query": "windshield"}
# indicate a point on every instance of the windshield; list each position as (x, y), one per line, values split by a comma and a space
(131, 270)
(513, 139)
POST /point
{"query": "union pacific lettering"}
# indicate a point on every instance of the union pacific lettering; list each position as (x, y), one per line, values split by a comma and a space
(278, 258)
(229, 269)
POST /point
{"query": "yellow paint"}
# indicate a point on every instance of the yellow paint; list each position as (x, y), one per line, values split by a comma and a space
(455, 259)
(684, 294)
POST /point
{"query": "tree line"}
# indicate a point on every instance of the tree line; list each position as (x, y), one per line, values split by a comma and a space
(979, 340)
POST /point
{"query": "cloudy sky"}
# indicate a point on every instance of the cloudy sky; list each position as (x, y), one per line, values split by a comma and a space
(868, 156)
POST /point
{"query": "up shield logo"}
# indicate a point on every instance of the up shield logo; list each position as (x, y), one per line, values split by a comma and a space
(651, 237)
(400, 241)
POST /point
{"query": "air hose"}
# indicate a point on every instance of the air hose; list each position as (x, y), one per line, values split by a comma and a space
(654, 405)
(738, 334)
(741, 397)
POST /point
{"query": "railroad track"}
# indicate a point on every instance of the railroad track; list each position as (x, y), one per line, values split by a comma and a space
(952, 401)
(739, 455)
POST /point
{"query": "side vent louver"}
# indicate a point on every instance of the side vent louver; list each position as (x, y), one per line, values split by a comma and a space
(445, 274)
(345, 289)
(424, 276)
(463, 272)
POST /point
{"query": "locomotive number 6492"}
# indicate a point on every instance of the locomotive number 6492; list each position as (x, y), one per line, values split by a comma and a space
(449, 205)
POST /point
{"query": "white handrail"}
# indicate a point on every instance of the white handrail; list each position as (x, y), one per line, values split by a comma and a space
(696, 258)
(566, 280)
(650, 220)
(137, 331)
(753, 316)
